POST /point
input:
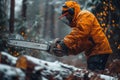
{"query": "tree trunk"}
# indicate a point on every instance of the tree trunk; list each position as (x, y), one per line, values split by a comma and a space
(11, 22)
(24, 9)
(52, 23)
(45, 18)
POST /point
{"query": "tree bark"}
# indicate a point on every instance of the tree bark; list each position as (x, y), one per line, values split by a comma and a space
(24, 9)
(11, 22)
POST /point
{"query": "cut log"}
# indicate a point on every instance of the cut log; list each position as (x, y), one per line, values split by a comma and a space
(56, 70)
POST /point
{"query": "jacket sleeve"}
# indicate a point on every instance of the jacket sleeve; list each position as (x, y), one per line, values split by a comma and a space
(77, 41)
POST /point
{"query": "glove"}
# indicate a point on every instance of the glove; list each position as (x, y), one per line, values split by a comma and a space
(56, 49)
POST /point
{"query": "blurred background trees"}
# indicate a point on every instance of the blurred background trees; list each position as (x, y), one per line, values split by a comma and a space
(3, 22)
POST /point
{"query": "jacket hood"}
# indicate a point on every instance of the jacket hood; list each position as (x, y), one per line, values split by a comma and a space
(75, 6)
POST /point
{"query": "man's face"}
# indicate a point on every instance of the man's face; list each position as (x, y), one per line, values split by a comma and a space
(66, 17)
(69, 17)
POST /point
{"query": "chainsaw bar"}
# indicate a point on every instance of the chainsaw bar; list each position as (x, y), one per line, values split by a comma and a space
(27, 44)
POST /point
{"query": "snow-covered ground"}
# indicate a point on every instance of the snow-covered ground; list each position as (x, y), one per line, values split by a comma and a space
(55, 69)
(10, 72)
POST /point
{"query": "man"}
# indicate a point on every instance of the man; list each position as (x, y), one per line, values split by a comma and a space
(86, 35)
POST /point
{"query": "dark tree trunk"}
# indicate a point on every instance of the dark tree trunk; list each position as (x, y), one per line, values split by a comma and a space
(24, 9)
(11, 22)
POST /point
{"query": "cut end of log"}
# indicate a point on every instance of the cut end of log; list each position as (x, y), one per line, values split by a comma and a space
(22, 62)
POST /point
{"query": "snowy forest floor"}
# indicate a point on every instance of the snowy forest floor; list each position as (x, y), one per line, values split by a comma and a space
(30, 68)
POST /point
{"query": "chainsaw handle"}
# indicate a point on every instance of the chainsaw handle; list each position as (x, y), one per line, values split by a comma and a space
(58, 52)
(54, 50)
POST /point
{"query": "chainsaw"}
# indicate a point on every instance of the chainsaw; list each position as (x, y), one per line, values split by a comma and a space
(27, 44)
(49, 46)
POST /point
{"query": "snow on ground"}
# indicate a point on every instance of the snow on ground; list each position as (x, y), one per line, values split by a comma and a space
(9, 72)
(10, 58)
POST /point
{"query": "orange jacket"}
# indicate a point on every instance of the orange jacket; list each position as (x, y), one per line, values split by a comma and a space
(85, 25)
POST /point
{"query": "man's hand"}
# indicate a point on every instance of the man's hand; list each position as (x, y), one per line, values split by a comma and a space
(56, 49)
